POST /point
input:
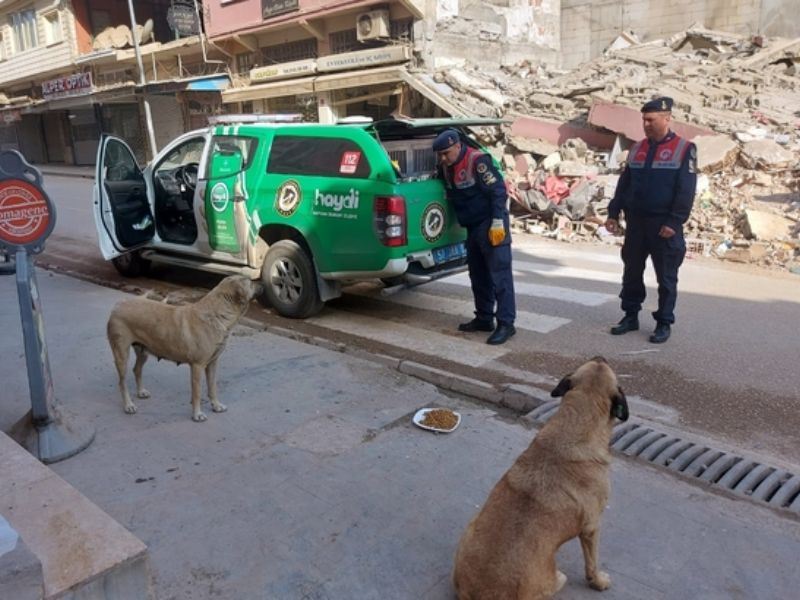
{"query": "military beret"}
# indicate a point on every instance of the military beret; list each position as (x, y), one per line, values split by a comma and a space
(445, 139)
(662, 104)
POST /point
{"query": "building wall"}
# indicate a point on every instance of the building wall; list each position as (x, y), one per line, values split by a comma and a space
(588, 27)
(221, 19)
(35, 62)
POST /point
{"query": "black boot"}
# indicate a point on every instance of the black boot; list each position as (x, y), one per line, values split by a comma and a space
(501, 334)
(661, 334)
(477, 325)
(630, 322)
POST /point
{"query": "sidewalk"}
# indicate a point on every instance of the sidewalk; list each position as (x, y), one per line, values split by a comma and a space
(316, 485)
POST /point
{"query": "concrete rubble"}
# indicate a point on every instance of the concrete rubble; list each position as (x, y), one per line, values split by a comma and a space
(568, 133)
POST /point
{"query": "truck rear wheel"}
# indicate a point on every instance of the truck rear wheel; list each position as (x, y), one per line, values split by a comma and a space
(290, 281)
(131, 264)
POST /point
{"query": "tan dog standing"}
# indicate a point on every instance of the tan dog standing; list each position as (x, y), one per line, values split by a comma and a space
(195, 334)
(555, 491)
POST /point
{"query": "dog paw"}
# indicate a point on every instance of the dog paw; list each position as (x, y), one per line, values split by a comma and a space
(219, 407)
(601, 581)
(142, 393)
(130, 409)
(199, 417)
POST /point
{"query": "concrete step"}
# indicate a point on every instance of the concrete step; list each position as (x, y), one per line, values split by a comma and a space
(83, 553)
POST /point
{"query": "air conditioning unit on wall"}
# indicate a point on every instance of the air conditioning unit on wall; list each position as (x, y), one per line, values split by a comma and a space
(372, 25)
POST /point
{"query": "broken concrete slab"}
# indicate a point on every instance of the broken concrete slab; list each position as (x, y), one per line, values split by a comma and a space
(628, 121)
(536, 146)
(551, 161)
(715, 152)
(558, 132)
(574, 168)
(762, 225)
(766, 154)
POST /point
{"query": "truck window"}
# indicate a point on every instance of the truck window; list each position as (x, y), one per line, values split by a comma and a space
(244, 144)
(309, 155)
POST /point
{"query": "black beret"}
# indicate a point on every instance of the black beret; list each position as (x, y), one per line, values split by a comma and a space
(662, 104)
(445, 139)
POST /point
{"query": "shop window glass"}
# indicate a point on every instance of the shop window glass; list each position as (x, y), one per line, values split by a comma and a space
(23, 24)
(308, 155)
(290, 51)
(52, 27)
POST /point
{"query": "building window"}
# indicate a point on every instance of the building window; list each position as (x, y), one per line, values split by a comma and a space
(244, 62)
(290, 51)
(402, 30)
(23, 24)
(344, 41)
(52, 27)
(2, 46)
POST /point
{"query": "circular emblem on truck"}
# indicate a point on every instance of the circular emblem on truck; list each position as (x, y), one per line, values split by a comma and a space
(25, 215)
(287, 198)
(219, 197)
(433, 222)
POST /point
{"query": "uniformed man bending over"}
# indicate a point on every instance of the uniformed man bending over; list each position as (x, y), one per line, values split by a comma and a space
(656, 192)
(479, 197)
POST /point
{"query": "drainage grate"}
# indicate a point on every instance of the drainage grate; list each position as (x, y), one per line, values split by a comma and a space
(747, 478)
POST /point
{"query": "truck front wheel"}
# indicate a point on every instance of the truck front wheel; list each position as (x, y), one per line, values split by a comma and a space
(131, 264)
(290, 281)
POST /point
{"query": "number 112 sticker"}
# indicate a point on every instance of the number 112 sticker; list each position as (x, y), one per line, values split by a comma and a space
(349, 162)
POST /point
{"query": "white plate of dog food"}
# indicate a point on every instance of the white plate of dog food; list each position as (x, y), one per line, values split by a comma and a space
(441, 420)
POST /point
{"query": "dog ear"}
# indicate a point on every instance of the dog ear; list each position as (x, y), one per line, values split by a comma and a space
(619, 405)
(563, 387)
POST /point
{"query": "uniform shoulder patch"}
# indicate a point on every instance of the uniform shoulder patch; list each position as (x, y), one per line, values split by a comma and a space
(481, 168)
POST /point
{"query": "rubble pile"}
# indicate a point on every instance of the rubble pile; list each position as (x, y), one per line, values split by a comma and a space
(737, 98)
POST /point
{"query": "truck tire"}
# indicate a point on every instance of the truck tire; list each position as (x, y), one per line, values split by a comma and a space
(131, 264)
(290, 283)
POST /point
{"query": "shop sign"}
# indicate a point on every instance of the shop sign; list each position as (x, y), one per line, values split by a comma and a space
(11, 116)
(284, 70)
(270, 8)
(182, 17)
(71, 85)
(364, 58)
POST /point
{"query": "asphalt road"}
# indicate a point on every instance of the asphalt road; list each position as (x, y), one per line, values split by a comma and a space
(729, 371)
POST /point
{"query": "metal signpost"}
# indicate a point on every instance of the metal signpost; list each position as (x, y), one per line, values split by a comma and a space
(27, 217)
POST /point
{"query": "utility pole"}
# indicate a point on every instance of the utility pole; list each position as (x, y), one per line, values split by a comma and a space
(148, 117)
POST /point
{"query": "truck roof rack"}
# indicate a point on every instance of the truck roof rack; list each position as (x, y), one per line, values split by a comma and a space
(255, 118)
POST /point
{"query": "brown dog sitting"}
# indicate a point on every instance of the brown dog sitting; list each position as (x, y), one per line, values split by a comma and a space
(556, 490)
(195, 334)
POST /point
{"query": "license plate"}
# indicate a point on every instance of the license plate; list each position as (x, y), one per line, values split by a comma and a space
(449, 253)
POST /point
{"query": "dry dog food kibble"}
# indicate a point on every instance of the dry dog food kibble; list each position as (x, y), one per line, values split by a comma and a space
(441, 418)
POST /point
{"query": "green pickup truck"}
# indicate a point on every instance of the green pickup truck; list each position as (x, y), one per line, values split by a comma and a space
(305, 207)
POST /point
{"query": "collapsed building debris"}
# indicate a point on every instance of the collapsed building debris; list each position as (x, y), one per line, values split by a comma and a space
(736, 98)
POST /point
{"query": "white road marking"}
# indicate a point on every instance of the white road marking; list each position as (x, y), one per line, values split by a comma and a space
(525, 320)
(544, 291)
(465, 351)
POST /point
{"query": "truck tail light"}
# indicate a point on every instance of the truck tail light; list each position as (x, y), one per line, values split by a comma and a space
(390, 220)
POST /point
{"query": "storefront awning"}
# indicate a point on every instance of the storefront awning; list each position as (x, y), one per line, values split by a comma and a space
(275, 89)
(319, 83)
(204, 83)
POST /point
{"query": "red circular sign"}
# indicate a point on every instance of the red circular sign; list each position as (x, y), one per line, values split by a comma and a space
(24, 212)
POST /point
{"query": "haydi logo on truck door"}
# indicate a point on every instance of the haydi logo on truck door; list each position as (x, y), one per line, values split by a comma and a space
(342, 206)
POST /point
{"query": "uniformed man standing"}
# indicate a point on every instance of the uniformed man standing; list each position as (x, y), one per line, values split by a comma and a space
(479, 197)
(656, 192)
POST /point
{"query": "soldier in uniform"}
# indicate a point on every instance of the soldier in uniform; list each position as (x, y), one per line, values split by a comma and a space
(479, 196)
(656, 192)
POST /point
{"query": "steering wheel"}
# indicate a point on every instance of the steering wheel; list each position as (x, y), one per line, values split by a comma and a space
(189, 175)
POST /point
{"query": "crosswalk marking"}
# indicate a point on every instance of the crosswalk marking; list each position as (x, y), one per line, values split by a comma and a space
(525, 320)
(453, 348)
(548, 270)
(561, 252)
(544, 291)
